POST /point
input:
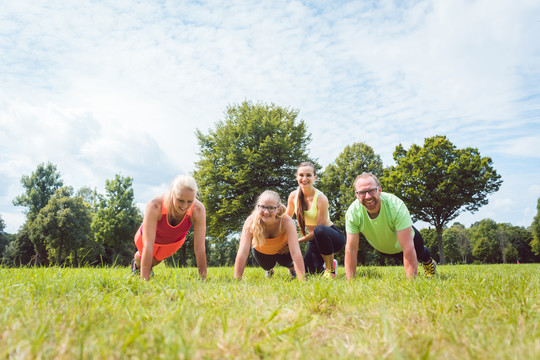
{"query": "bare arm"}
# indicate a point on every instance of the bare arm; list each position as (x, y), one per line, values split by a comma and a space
(290, 204)
(199, 237)
(309, 236)
(406, 242)
(243, 250)
(294, 247)
(351, 255)
(322, 214)
(152, 214)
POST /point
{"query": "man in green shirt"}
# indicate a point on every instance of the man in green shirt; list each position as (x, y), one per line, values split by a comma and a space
(385, 222)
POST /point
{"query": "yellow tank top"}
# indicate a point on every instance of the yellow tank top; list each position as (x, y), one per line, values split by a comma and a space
(310, 215)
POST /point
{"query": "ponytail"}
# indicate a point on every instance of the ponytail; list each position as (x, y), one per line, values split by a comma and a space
(300, 212)
(300, 201)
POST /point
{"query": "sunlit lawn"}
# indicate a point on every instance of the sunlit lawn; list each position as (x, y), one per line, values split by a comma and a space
(476, 312)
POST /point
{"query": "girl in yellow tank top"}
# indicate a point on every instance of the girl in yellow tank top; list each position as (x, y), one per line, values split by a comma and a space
(311, 209)
(272, 235)
(310, 215)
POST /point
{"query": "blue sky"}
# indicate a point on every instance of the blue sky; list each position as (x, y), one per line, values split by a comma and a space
(106, 87)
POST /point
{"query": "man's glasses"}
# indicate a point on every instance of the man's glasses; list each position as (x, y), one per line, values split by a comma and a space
(269, 208)
(363, 193)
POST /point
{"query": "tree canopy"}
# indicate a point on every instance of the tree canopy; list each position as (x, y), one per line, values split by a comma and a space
(39, 188)
(255, 148)
(336, 182)
(484, 241)
(62, 226)
(459, 235)
(438, 181)
(117, 220)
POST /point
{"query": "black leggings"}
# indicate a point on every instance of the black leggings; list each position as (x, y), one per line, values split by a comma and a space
(267, 262)
(423, 254)
(328, 240)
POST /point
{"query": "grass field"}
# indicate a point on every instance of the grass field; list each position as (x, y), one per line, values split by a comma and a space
(467, 312)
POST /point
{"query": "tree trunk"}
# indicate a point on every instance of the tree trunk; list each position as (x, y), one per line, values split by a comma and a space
(439, 241)
(59, 256)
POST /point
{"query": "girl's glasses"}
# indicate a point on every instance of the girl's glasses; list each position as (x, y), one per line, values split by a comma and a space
(268, 208)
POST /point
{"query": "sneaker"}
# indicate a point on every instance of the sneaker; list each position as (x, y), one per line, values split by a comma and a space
(329, 274)
(134, 268)
(335, 266)
(430, 268)
(136, 271)
(270, 273)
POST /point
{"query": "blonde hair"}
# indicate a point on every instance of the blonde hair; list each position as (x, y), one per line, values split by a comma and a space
(257, 225)
(300, 201)
(179, 183)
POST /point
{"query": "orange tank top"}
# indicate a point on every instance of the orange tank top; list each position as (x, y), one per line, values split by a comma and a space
(273, 245)
(168, 234)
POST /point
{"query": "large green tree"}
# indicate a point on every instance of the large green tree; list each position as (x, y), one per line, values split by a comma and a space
(39, 187)
(438, 181)
(337, 179)
(255, 148)
(535, 243)
(117, 220)
(63, 225)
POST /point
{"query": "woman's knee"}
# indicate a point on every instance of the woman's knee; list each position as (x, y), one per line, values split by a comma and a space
(321, 232)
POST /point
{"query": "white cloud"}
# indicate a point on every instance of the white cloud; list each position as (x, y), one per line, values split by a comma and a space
(526, 146)
(11, 218)
(534, 190)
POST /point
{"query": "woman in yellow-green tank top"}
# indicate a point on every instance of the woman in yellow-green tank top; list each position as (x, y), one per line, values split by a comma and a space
(311, 209)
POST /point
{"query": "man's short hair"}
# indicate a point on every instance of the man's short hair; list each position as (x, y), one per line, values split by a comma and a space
(366, 175)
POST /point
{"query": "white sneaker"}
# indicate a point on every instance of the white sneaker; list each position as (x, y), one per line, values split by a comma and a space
(335, 265)
(270, 273)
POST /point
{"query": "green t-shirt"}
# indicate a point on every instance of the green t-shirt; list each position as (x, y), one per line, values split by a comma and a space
(381, 231)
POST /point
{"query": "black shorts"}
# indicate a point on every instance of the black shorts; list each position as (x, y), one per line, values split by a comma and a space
(267, 262)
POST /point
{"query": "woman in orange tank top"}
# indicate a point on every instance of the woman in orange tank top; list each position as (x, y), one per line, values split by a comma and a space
(272, 235)
(167, 219)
